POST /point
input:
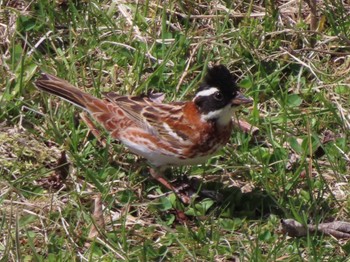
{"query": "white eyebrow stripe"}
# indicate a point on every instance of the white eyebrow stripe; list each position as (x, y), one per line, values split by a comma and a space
(207, 92)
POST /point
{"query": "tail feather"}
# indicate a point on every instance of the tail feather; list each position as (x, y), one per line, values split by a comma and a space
(59, 87)
(100, 110)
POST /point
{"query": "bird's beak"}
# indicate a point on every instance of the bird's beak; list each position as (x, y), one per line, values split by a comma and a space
(240, 99)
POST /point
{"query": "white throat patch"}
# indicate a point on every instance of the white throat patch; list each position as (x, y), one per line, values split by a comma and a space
(223, 115)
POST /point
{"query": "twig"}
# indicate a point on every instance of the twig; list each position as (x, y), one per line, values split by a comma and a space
(245, 127)
(193, 52)
(337, 229)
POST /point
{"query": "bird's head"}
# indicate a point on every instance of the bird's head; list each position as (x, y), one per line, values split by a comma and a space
(218, 96)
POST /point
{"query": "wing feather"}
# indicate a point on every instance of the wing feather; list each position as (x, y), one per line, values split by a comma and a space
(157, 118)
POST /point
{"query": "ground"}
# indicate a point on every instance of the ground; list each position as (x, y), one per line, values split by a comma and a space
(65, 196)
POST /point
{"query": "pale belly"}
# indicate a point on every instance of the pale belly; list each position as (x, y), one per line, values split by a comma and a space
(157, 158)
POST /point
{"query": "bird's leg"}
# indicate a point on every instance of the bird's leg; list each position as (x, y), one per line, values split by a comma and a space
(157, 174)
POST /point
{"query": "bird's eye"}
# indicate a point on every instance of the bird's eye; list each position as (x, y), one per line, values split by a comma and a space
(218, 96)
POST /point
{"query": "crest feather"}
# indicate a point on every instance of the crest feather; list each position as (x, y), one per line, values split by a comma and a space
(219, 76)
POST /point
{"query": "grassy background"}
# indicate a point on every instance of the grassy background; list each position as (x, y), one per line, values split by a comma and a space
(293, 60)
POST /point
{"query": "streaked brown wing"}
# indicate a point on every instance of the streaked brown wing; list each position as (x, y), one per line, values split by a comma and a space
(156, 118)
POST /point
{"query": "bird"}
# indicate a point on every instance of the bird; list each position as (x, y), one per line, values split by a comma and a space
(165, 134)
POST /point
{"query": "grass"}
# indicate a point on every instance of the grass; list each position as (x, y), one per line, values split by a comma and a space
(297, 167)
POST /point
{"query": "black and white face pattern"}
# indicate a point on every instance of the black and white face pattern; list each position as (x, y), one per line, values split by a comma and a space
(215, 95)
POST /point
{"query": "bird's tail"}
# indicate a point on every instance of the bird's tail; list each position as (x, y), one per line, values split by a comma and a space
(68, 92)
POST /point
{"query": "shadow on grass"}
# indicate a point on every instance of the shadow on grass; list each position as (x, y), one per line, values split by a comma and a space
(231, 201)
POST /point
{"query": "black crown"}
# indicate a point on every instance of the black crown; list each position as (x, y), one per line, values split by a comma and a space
(219, 76)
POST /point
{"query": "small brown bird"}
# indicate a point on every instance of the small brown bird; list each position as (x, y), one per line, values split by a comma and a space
(173, 134)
